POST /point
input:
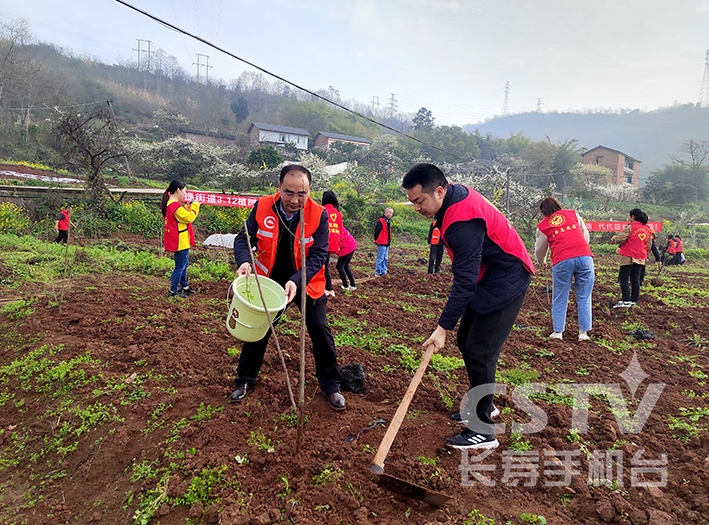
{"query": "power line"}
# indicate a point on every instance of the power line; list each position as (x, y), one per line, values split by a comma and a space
(311, 93)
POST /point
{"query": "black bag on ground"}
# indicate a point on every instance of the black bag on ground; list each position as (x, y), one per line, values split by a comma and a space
(353, 378)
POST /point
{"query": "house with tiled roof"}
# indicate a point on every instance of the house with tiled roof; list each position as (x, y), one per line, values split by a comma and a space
(279, 136)
(323, 140)
(624, 167)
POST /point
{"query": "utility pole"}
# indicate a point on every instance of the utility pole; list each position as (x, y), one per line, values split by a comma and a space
(539, 105)
(200, 65)
(506, 102)
(704, 91)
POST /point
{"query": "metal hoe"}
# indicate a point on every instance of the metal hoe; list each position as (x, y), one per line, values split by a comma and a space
(395, 484)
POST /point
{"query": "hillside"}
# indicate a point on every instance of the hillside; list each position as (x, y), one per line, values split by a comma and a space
(649, 137)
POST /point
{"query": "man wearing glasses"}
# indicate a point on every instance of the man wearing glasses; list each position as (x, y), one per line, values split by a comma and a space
(273, 228)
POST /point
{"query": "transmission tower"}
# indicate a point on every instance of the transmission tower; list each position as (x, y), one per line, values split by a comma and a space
(392, 105)
(704, 92)
(144, 52)
(539, 105)
(506, 102)
(375, 104)
(200, 65)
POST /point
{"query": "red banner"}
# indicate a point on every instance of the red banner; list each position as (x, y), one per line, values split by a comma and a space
(618, 226)
(220, 199)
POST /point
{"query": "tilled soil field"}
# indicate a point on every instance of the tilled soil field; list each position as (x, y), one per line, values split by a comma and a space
(114, 409)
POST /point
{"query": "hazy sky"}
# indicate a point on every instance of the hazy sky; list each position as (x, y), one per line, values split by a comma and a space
(450, 56)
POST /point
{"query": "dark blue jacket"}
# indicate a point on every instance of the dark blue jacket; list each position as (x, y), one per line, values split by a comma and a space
(505, 277)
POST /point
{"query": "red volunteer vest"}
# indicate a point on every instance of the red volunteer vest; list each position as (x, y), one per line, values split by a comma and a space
(636, 245)
(334, 224)
(383, 237)
(435, 236)
(267, 240)
(499, 229)
(671, 247)
(680, 246)
(64, 223)
(174, 229)
(565, 236)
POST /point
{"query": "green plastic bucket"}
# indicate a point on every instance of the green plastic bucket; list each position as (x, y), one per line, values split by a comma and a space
(246, 319)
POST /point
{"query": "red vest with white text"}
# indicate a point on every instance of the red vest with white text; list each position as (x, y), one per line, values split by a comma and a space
(499, 229)
(334, 224)
(267, 239)
(565, 236)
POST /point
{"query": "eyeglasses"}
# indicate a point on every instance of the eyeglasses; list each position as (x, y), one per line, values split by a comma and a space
(287, 194)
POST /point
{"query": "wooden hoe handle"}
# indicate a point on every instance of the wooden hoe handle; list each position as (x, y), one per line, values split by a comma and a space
(383, 450)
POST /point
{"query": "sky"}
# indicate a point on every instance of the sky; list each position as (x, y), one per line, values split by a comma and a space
(453, 57)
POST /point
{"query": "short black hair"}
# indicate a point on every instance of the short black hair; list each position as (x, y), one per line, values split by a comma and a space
(427, 175)
(295, 167)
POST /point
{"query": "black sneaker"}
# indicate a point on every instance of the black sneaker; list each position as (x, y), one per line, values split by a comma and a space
(176, 294)
(470, 439)
(188, 291)
(336, 400)
(240, 393)
(495, 412)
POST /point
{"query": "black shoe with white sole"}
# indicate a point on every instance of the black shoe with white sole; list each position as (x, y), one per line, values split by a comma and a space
(240, 393)
(470, 439)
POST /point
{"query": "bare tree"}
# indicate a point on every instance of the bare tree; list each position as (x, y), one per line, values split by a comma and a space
(695, 154)
(91, 141)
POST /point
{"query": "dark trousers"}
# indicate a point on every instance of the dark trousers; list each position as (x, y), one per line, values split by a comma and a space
(328, 277)
(63, 236)
(480, 339)
(435, 257)
(343, 268)
(630, 277)
(326, 370)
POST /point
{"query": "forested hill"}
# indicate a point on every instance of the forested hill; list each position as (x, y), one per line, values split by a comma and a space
(649, 137)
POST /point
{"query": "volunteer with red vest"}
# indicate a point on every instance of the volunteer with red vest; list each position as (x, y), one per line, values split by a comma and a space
(273, 229)
(565, 234)
(670, 249)
(178, 234)
(348, 245)
(334, 222)
(435, 245)
(635, 244)
(63, 223)
(491, 273)
(679, 249)
(382, 238)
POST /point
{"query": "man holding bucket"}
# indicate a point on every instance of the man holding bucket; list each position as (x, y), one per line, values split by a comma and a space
(273, 228)
(491, 273)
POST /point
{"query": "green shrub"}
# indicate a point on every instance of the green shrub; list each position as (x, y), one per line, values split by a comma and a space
(219, 219)
(138, 217)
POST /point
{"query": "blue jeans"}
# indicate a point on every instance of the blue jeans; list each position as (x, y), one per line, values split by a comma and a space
(382, 260)
(580, 269)
(178, 279)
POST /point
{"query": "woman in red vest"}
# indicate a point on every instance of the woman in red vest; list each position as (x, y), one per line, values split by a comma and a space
(179, 235)
(669, 251)
(679, 248)
(565, 234)
(63, 223)
(334, 224)
(635, 243)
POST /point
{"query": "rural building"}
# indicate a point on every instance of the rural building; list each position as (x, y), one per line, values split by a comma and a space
(624, 167)
(323, 140)
(278, 136)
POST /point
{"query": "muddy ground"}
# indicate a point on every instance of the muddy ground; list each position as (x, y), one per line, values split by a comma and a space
(163, 370)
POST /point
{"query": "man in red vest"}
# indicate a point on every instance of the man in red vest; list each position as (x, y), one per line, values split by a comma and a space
(436, 248)
(63, 223)
(382, 238)
(273, 229)
(635, 244)
(491, 273)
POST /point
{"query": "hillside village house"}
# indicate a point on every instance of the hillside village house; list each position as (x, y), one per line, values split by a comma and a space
(213, 138)
(278, 136)
(624, 167)
(323, 140)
